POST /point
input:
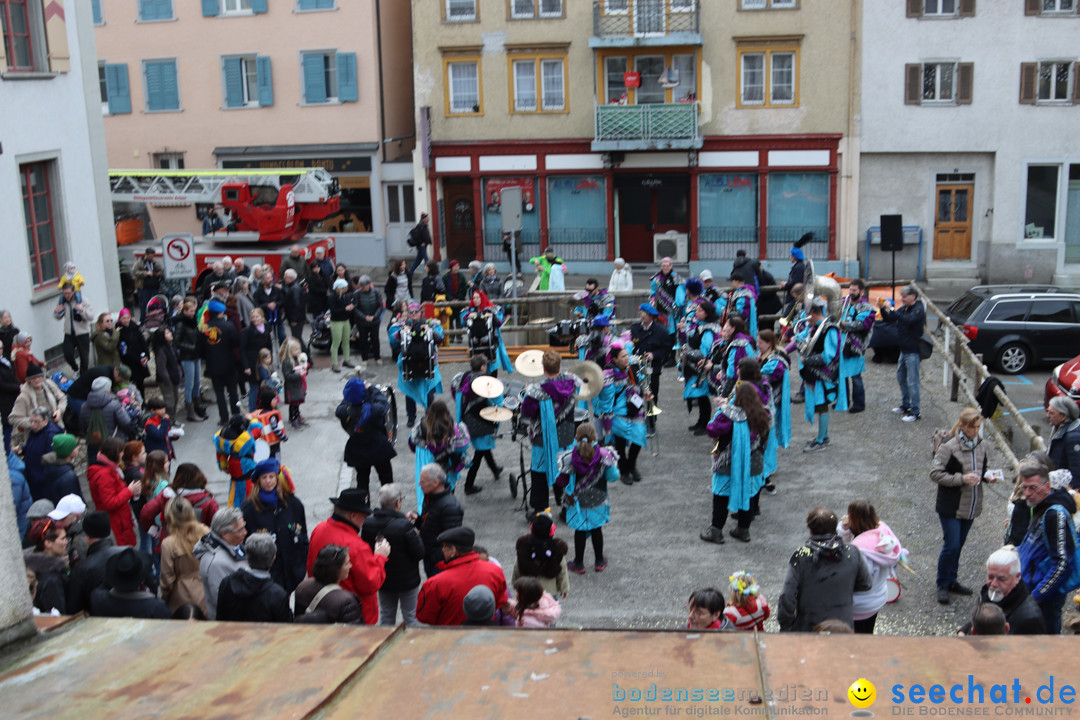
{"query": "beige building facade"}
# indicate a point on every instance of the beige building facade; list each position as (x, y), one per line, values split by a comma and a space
(258, 84)
(640, 128)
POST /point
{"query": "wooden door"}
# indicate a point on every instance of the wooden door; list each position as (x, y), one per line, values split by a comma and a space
(952, 222)
(460, 220)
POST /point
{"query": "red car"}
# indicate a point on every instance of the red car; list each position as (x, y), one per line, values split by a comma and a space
(1065, 380)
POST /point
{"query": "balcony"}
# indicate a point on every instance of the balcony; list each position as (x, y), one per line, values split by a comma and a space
(644, 23)
(666, 126)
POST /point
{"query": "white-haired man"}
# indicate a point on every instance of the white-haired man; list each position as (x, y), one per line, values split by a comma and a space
(1005, 588)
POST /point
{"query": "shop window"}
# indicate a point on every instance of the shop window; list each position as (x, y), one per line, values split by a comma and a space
(577, 215)
(728, 210)
(41, 228)
(798, 203)
(462, 90)
(530, 218)
(354, 213)
(1040, 218)
(768, 77)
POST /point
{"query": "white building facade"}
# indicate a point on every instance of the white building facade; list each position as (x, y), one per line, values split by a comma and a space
(54, 201)
(969, 117)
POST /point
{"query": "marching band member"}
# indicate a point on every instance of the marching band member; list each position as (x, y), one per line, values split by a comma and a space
(710, 292)
(585, 472)
(627, 423)
(700, 341)
(596, 345)
(438, 439)
(652, 342)
(667, 294)
(856, 321)
(741, 429)
(775, 368)
(467, 406)
(821, 371)
(723, 365)
(694, 290)
(597, 301)
(743, 301)
(418, 361)
(482, 320)
(548, 405)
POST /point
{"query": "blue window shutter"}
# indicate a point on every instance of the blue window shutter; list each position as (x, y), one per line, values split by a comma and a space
(234, 82)
(153, 86)
(307, 4)
(166, 9)
(258, 6)
(171, 85)
(266, 81)
(117, 89)
(210, 8)
(347, 90)
(314, 78)
(95, 5)
(155, 9)
(324, 4)
(162, 91)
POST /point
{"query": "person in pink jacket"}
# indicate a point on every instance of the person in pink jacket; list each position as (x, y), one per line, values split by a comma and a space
(533, 607)
(881, 551)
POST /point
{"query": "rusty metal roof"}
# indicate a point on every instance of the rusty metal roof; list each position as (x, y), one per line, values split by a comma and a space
(121, 668)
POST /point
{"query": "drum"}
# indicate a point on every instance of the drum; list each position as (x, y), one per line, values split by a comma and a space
(581, 415)
(892, 587)
(513, 395)
(390, 422)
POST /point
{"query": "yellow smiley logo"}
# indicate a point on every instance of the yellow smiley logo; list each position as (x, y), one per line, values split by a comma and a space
(862, 693)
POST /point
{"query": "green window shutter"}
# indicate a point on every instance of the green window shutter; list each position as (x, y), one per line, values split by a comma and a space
(266, 81)
(210, 8)
(346, 77)
(234, 82)
(314, 78)
(117, 89)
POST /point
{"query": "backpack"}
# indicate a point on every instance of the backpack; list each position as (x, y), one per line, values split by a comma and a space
(940, 435)
(417, 352)
(414, 237)
(482, 335)
(96, 427)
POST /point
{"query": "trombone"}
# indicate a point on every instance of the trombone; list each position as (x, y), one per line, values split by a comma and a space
(652, 412)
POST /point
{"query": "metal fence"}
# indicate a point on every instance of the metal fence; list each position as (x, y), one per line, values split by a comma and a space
(636, 18)
(654, 121)
(780, 240)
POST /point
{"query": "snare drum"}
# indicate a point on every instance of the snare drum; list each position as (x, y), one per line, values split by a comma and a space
(513, 394)
(581, 415)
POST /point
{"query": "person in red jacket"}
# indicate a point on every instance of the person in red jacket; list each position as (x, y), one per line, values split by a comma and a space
(109, 491)
(368, 568)
(442, 596)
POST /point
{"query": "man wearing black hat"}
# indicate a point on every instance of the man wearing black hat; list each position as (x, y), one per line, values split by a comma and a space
(219, 346)
(126, 573)
(343, 528)
(442, 597)
(652, 342)
(89, 574)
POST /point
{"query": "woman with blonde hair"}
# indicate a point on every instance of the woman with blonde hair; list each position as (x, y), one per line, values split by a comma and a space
(180, 581)
(959, 469)
(294, 377)
(106, 341)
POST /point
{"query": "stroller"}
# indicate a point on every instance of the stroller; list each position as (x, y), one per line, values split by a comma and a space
(320, 333)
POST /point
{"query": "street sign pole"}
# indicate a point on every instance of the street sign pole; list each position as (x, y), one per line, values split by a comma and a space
(510, 209)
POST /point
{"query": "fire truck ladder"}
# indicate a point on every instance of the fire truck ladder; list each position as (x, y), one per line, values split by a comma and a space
(310, 185)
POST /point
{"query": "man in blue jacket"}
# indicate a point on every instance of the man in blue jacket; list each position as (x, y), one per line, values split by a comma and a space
(1047, 553)
(910, 320)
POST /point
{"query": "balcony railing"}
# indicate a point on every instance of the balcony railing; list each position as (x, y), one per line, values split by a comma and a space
(644, 18)
(647, 127)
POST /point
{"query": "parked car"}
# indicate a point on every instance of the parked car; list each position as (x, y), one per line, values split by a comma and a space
(1065, 380)
(1017, 326)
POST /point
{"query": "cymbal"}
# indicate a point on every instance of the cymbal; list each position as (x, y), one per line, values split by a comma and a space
(654, 411)
(530, 363)
(496, 414)
(592, 379)
(487, 387)
(542, 321)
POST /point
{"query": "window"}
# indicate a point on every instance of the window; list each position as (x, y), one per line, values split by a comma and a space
(1050, 82)
(1040, 219)
(614, 77)
(650, 67)
(550, 96)
(95, 7)
(520, 9)
(328, 77)
(768, 78)
(115, 91)
(1050, 7)
(213, 8)
(400, 203)
(247, 81)
(306, 5)
(103, 88)
(1055, 81)
(460, 10)
(1052, 311)
(663, 78)
(150, 10)
(41, 231)
(463, 88)
(162, 86)
(19, 35)
(1009, 311)
(941, 8)
(939, 83)
(616, 7)
(681, 6)
(763, 4)
(235, 6)
(169, 161)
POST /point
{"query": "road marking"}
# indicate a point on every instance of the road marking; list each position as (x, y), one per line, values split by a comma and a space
(1023, 381)
(1025, 410)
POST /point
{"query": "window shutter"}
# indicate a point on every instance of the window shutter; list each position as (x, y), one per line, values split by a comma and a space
(95, 6)
(1028, 82)
(266, 81)
(314, 79)
(162, 91)
(913, 84)
(1076, 83)
(346, 78)
(967, 8)
(117, 89)
(1029, 74)
(307, 4)
(1032, 7)
(258, 6)
(170, 86)
(234, 82)
(153, 86)
(965, 83)
(56, 38)
(914, 8)
(210, 8)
